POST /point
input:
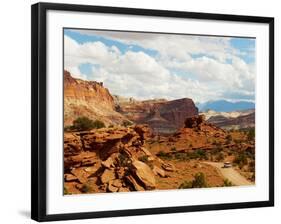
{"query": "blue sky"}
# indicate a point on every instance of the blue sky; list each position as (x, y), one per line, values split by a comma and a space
(144, 65)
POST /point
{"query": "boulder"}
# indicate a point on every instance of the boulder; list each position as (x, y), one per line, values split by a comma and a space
(81, 174)
(195, 121)
(131, 181)
(116, 183)
(108, 163)
(123, 189)
(111, 187)
(168, 167)
(144, 174)
(158, 171)
(70, 177)
(107, 176)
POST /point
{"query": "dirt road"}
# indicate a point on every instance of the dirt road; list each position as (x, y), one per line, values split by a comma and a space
(231, 174)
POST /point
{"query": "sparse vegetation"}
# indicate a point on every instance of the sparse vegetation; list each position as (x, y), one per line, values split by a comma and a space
(127, 123)
(228, 139)
(164, 155)
(143, 158)
(251, 134)
(85, 188)
(220, 156)
(199, 181)
(84, 124)
(227, 183)
(241, 160)
(65, 191)
(123, 160)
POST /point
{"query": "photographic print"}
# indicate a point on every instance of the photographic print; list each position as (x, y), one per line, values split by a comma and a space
(144, 111)
(157, 111)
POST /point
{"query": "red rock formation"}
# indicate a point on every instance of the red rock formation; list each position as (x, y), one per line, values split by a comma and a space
(93, 100)
(161, 115)
(109, 160)
(90, 99)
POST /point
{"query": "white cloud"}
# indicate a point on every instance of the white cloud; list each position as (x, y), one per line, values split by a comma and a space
(139, 75)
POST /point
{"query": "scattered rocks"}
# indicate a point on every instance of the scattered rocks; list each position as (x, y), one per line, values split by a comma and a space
(168, 167)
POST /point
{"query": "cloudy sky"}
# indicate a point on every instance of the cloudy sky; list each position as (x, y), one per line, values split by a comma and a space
(146, 65)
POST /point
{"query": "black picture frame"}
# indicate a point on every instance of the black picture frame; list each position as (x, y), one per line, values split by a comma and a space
(38, 108)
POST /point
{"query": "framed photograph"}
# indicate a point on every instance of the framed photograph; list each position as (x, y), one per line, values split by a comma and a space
(140, 111)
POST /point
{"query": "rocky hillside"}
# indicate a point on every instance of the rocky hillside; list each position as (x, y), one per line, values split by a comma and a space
(93, 100)
(231, 120)
(110, 160)
(161, 115)
(90, 99)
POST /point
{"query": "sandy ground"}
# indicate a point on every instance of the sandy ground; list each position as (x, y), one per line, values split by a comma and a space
(231, 174)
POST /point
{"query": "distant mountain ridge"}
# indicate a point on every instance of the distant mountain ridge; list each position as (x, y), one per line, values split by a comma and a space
(225, 106)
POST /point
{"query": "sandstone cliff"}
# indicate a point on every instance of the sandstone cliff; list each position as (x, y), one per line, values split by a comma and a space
(93, 100)
(88, 98)
(161, 115)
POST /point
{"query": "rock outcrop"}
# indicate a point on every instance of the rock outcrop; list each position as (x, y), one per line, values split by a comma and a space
(90, 99)
(93, 100)
(240, 122)
(110, 160)
(162, 116)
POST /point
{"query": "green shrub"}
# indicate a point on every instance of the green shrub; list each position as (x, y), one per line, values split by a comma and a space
(173, 149)
(84, 123)
(241, 160)
(199, 181)
(143, 158)
(227, 183)
(251, 134)
(123, 160)
(127, 123)
(164, 155)
(65, 191)
(98, 124)
(85, 188)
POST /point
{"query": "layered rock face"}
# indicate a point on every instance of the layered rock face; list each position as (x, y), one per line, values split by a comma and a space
(90, 99)
(240, 122)
(161, 115)
(93, 100)
(110, 160)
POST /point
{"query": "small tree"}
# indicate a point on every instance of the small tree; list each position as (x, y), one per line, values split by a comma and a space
(84, 123)
(98, 124)
(198, 182)
(127, 123)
